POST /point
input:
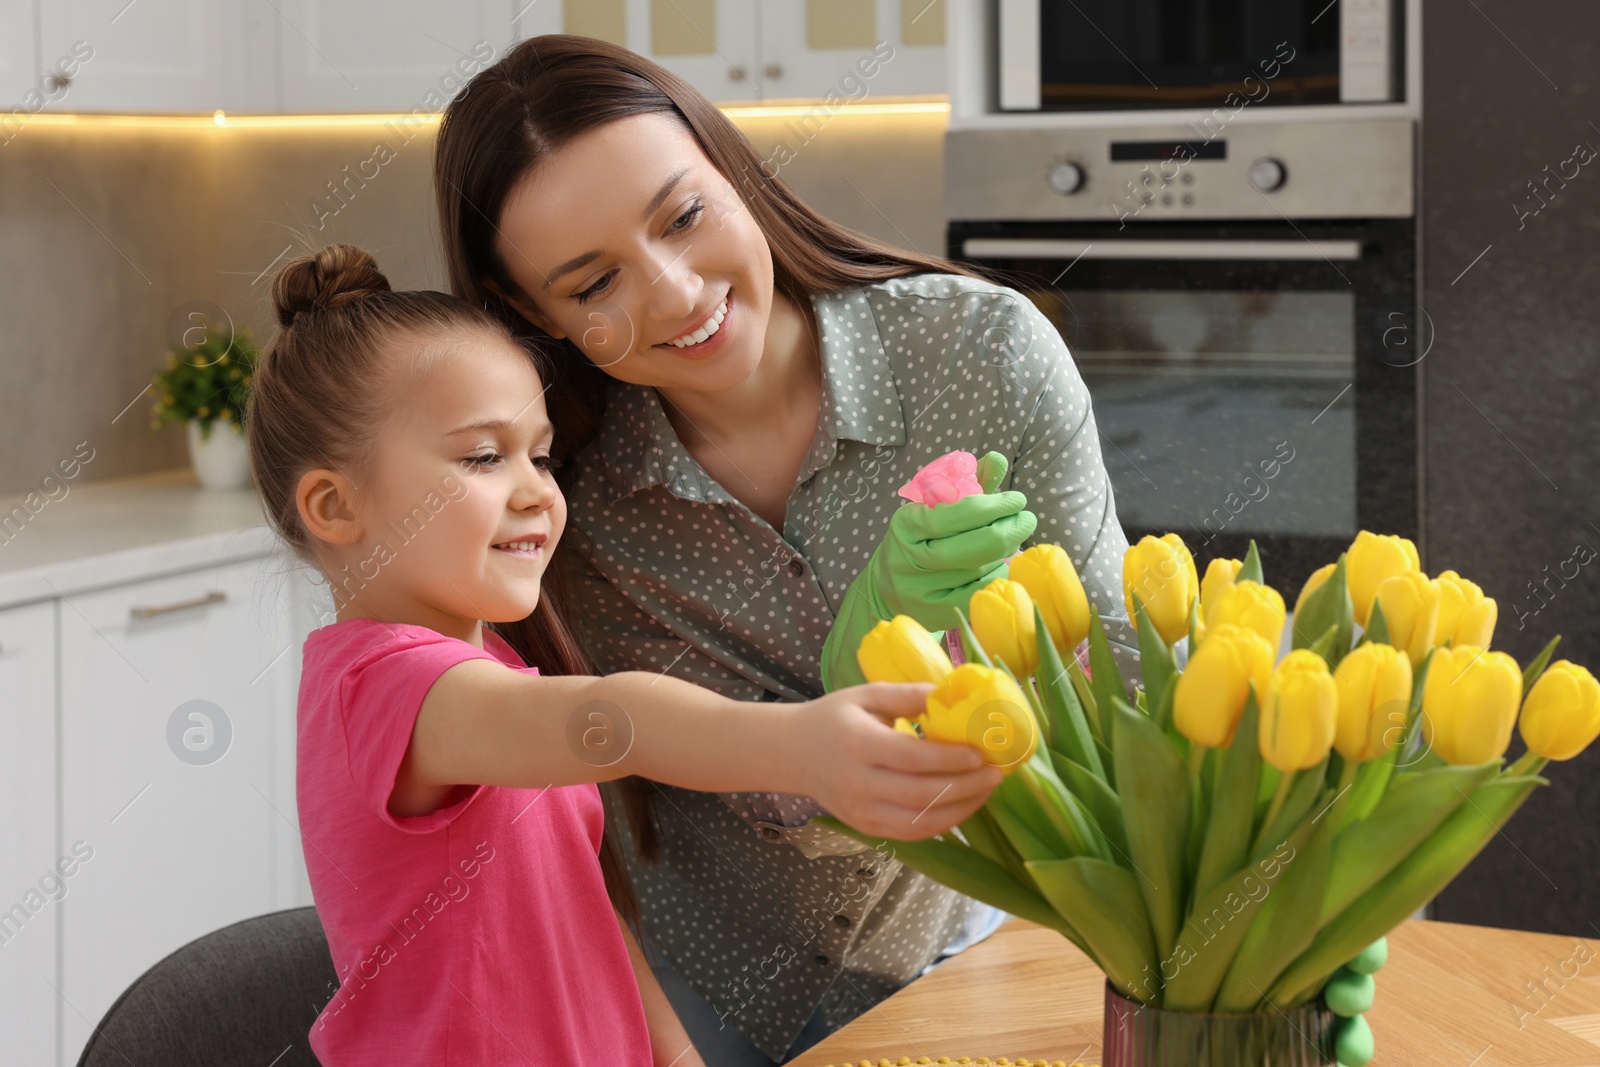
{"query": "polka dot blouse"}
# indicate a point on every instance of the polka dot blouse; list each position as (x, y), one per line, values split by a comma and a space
(766, 917)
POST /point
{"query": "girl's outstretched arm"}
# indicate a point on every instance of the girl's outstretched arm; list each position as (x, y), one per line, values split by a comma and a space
(483, 724)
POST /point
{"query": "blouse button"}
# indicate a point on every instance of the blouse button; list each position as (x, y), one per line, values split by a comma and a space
(771, 833)
(867, 873)
(797, 566)
(842, 920)
(822, 961)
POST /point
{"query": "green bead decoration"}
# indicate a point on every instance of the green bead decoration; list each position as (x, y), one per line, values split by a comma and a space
(1353, 1045)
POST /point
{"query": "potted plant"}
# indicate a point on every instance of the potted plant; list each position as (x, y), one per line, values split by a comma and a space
(1231, 839)
(205, 386)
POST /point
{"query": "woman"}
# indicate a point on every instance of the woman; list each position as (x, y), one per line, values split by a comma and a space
(758, 382)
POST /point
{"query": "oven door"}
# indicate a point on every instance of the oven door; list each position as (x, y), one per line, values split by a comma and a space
(1249, 380)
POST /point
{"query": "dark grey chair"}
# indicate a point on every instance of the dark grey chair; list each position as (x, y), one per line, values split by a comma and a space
(244, 995)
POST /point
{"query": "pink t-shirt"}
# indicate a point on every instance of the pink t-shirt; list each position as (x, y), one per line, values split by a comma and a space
(479, 934)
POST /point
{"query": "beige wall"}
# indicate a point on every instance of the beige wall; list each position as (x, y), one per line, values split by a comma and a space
(106, 232)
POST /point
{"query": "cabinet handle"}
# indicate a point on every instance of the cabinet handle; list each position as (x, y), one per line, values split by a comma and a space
(736, 74)
(213, 597)
(774, 70)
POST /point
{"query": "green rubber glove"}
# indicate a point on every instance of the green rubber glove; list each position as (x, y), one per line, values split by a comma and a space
(1348, 994)
(930, 562)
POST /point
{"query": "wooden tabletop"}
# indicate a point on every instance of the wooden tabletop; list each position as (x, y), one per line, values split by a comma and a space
(1454, 995)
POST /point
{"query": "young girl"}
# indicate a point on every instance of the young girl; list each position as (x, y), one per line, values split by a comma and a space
(450, 819)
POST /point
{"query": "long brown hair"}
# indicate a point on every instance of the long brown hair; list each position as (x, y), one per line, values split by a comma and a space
(548, 90)
(339, 316)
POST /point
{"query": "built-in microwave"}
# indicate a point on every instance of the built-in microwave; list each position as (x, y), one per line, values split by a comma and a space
(1076, 55)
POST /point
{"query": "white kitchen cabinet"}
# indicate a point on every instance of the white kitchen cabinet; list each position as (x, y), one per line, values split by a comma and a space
(395, 56)
(856, 48)
(157, 55)
(331, 56)
(744, 51)
(18, 71)
(32, 885)
(172, 700)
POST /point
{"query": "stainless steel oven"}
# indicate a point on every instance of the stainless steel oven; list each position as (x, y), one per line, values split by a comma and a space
(1242, 317)
(1122, 54)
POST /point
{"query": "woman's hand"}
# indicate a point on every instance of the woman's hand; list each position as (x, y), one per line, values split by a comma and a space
(930, 562)
(875, 778)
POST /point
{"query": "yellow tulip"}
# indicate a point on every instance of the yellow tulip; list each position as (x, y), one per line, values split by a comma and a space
(1372, 558)
(1374, 683)
(1220, 576)
(1466, 616)
(982, 707)
(1251, 605)
(1411, 611)
(1002, 621)
(1313, 583)
(1299, 713)
(1469, 703)
(1047, 573)
(1161, 572)
(900, 650)
(1562, 713)
(905, 727)
(1214, 685)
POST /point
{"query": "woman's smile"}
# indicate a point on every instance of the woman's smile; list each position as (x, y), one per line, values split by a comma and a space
(706, 338)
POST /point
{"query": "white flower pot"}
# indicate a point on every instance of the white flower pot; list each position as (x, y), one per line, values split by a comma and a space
(223, 460)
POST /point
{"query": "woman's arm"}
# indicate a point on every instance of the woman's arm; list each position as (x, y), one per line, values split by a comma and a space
(483, 723)
(669, 1042)
(1059, 467)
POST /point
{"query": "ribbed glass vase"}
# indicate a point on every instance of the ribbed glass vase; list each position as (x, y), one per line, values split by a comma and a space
(1140, 1036)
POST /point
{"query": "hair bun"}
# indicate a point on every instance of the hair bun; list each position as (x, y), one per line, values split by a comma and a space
(330, 278)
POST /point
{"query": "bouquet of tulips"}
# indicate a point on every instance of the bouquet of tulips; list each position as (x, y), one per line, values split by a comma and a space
(1225, 836)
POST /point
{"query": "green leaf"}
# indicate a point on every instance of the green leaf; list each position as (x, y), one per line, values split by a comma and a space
(1105, 905)
(1377, 630)
(969, 642)
(1372, 780)
(1085, 690)
(1069, 722)
(1411, 810)
(1024, 830)
(1328, 605)
(984, 837)
(1228, 830)
(1307, 787)
(1099, 802)
(1154, 788)
(1216, 926)
(1327, 646)
(1155, 660)
(1061, 808)
(1107, 681)
(1417, 880)
(1161, 714)
(1282, 929)
(1250, 570)
(968, 873)
(1538, 665)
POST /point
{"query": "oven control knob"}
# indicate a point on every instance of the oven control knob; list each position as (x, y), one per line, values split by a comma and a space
(1066, 178)
(1267, 174)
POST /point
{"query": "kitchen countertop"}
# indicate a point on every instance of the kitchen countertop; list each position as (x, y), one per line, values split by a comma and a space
(1450, 994)
(105, 533)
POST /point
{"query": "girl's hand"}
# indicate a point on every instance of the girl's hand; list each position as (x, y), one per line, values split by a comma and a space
(879, 780)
